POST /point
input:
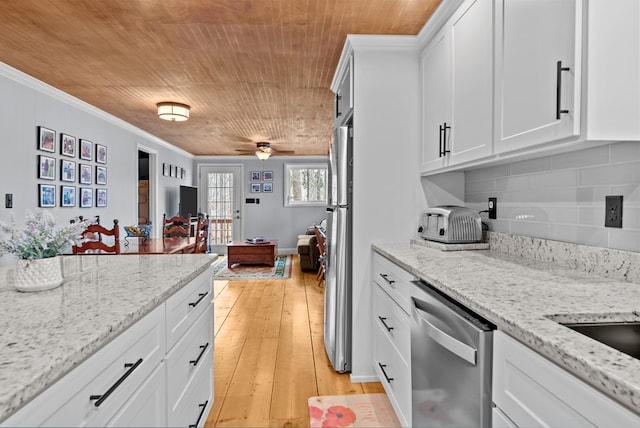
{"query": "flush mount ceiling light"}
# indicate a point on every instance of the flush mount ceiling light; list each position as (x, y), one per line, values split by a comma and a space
(175, 112)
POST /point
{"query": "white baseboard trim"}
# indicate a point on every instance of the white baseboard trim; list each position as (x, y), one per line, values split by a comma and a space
(364, 379)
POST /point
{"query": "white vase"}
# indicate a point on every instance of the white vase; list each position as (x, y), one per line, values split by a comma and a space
(38, 275)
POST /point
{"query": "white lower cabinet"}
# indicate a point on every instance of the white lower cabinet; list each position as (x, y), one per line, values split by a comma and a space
(391, 334)
(138, 379)
(531, 391)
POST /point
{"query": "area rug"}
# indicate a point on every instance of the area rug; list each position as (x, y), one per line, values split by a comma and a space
(358, 410)
(280, 270)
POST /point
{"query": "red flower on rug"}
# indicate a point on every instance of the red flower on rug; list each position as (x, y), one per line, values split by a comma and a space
(315, 412)
(339, 416)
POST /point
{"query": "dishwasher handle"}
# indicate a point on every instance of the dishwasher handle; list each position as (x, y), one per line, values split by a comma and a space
(460, 349)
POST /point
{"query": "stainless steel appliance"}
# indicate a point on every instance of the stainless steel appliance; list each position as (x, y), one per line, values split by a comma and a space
(451, 224)
(337, 305)
(451, 352)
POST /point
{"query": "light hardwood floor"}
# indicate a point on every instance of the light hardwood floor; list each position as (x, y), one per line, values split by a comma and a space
(269, 352)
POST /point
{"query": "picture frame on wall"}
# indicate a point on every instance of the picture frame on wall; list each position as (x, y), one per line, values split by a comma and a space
(166, 169)
(101, 153)
(67, 170)
(267, 187)
(267, 176)
(255, 175)
(85, 174)
(47, 195)
(183, 173)
(255, 187)
(172, 171)
(86, 150)
(101, 198)
(101, 174)
(67, 196)
(86, 197)
(67, 145)
(46, 168)
(46, 139)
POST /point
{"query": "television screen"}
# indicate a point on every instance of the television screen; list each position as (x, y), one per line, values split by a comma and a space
(188, 201)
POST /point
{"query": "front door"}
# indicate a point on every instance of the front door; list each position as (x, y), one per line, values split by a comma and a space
(221, 198)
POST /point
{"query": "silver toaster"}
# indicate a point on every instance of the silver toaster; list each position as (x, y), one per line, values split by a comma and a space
(451, 224)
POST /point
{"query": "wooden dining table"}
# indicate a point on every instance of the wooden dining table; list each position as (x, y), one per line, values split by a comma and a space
(172, 245)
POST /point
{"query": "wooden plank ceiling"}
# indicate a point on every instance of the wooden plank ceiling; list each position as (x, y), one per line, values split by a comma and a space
(251, 70)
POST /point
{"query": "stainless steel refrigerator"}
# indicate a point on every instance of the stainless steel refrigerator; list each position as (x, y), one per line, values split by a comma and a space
(337, 301)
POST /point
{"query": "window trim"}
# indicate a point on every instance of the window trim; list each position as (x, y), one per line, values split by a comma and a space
(288, 167)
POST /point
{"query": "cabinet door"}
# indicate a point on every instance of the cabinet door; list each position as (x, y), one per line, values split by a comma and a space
(435, 100)
(471, 133)
(537, 72)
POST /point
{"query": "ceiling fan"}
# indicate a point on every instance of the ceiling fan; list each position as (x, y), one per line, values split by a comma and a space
(263, 150)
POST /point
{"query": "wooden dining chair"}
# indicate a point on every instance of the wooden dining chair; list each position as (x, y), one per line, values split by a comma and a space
(175, 226)
(202, 235)
(91, 245)
(320, 242)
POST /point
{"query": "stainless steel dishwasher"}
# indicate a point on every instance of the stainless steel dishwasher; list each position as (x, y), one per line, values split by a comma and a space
(451, 351)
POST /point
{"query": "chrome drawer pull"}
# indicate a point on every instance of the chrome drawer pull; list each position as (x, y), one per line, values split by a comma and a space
(204, 406)
(100, 398)
(382, 319)
(382, 366)
(204, 349)
(200, 297)
(384, 276)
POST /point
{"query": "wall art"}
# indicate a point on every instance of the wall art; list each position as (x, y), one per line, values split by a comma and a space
(101, 154)
(255, 187)
(85, 174)
(67, 145)
(101, 197)
(68, 196)
(86, 197)
(47, 195)
(267, 187)
(46, 168)
(46, 139)
(67, 170)
(267, 175)
(86, 150)
(101, 175)
(255, 175)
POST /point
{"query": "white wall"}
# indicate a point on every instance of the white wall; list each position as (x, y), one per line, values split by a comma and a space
(270, 218)
(562, 197)
(29, 103)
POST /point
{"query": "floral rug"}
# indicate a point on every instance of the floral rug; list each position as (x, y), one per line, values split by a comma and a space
(280, 270)
(358, 410)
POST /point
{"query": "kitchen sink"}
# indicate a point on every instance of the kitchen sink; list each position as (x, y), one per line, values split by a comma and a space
(623, 336)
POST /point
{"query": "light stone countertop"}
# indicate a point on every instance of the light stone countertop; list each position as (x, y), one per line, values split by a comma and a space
(44, 335)
(525, 298)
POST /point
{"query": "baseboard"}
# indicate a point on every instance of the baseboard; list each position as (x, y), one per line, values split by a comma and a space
(286, 251)
(364, 379)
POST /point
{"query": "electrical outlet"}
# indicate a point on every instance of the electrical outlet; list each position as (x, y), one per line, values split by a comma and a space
(493, 208)
(613, 211)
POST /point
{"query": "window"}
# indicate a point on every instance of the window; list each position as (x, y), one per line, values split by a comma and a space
(305, 185)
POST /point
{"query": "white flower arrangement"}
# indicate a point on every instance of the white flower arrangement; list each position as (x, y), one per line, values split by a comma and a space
(41, 238)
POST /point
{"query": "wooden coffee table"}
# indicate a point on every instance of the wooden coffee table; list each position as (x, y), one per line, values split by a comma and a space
(241, 252)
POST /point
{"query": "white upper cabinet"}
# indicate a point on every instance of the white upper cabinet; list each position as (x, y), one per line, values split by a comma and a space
(538, 68)
(344, 96)
(457, 82)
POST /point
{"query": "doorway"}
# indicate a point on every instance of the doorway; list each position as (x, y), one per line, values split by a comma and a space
(221, 198)
(147, 185)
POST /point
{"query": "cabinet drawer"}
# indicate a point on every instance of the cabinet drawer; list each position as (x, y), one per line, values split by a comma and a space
(190, 353)
(394, 280)
(532, 391)
(393, 321)
(195, 404)
(148, 405)
(394, 373)
(184, 307)
(68, 402)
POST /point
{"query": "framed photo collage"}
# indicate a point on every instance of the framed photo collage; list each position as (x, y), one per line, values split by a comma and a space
(76, 161)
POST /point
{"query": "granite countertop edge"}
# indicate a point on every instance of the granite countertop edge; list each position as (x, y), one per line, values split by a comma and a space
(615, 374)
(15, 398)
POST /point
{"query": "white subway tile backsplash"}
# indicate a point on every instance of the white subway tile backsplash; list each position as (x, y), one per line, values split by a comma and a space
(561, 197)
(588, 157)
(625, 151)
(554, 179)
(511, 184)
(622, 239)
(532, 165)
(621, 173)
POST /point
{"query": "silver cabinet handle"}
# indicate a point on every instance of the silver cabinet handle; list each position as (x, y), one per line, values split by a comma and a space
(559, 70)
(460, 349)
(386, 278)
(382, 320)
